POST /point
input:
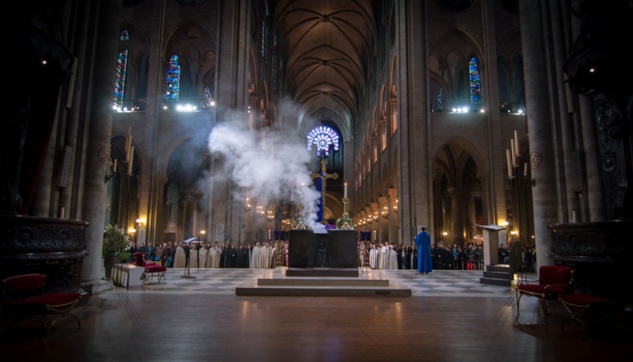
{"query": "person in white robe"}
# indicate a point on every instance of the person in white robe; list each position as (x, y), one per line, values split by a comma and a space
(213, 260)
(203, 256)
(272, 262)
(256, 256)
(218, 255)
(264, 256)
(382, 256)
(180, 259)
(392, 264)
(373, 256)
(361, 254)
(193, 256)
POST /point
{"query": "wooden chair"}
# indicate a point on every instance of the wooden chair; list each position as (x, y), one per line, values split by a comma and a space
(24, 297)
(554, 280)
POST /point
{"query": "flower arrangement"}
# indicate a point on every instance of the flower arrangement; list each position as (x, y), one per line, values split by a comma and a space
(345, 222)
(116, 241)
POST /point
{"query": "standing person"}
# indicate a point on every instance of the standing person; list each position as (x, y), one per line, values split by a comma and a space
(423, 243)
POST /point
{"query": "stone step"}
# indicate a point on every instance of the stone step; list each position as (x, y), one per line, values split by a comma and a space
(322, 282)
(498, 274)
(326, 291)
(495, 281)
(322, 272)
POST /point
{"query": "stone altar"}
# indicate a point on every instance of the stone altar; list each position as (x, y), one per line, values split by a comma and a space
(334, 249)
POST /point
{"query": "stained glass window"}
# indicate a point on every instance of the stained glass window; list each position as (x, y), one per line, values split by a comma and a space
(440, 100)
(125, 35)
(208, 98)
(119, 84)
(475, 82)
(323, 137)
(172, 88)
(265, 33)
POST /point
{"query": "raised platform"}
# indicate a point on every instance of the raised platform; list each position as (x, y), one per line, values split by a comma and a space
(322, 272)
(325, 285)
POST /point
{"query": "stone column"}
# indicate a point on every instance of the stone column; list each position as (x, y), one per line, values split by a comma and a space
(99, 135)
(155, 218)
(456, 217)
(392, 204)
(595, 197)
(374, 215)
(541, 125)
(383, 219)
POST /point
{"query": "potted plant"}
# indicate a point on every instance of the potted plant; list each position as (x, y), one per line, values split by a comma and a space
(116, 246)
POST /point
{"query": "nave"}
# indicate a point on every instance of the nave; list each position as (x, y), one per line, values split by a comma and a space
(450, 317)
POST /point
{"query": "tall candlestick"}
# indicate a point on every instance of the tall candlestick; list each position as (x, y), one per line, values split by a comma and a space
(129, 165)
(516, 142)
(509, 162)
(345, 191)
(525, 169)
(128, 143)
(270, 237)
(114, 166)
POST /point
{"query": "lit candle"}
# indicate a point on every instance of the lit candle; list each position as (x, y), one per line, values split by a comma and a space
(509, 162)
(514, 154)
(345, 191)
(516, 142)
(269, 235)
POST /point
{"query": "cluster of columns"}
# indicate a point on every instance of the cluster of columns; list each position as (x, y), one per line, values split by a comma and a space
(380, 217)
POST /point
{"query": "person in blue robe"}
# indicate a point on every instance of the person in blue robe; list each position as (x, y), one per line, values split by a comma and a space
(423, 243)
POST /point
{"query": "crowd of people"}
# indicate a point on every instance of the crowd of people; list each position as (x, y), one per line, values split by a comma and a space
(374, 255)
(443, 256)
(205, 254)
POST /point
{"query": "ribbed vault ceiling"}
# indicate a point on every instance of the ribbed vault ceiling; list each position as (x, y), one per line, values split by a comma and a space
(325, 49)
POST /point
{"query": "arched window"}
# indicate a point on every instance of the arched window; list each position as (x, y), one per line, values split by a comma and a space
(323, 137)
(172, 87)
(121, 71)
(475, 81)
(119, 83)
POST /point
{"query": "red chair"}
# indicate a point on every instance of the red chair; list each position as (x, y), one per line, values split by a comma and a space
(554, 280)
(139, 258)
(591, 307)
(24, 297)
(154, 270)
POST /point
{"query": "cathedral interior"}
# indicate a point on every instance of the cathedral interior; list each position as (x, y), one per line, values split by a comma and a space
(230, 120)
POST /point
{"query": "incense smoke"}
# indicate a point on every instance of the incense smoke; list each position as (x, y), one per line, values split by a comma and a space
(270, 168)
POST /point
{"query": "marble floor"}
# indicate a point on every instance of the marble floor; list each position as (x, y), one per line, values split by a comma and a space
(450, 316)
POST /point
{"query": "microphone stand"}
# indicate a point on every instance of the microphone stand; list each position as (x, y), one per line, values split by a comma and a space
(188, 270)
